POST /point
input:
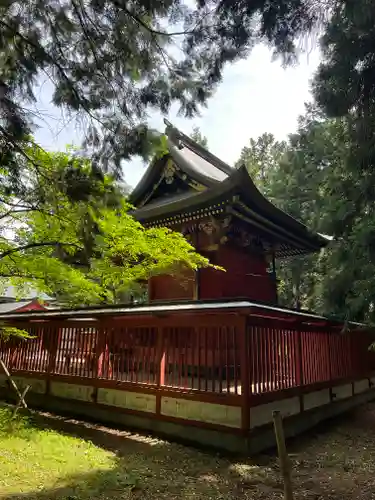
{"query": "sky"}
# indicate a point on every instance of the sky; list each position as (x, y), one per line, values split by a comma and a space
(256, 95)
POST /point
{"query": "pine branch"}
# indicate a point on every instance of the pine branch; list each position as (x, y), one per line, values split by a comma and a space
(140, 22)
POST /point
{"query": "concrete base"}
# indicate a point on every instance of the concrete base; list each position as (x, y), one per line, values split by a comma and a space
(184, 433)
(263, 438)
(259, 439)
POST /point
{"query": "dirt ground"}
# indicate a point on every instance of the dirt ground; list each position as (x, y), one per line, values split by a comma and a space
(334, 462)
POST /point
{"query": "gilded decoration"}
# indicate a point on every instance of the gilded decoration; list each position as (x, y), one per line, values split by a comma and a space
(188, 229)
(214, 232)
(196, 186)
(207, 227)
(252, 241)
(169, 172)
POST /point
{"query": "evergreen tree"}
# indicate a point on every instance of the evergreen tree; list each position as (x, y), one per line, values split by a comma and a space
(112, 60)
(315, 182)
(200, 139)
(261, 158)
(344, 85)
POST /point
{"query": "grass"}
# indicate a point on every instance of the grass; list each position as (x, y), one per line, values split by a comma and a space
(45, 457)
(39, 462)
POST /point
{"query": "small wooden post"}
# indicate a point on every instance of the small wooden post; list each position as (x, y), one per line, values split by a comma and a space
(13, 384)
(54, 333)
(283, 455)
(299, 369)
(21, 400)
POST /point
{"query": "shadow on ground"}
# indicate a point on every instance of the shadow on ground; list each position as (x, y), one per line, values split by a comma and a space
(149, 468)
(335, 462)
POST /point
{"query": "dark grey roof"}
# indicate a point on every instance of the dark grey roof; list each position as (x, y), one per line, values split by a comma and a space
(194, 160)
(183, 141)
(251, 204)
(225, 189)
(160, 202)
(196, 163)
(162, 205)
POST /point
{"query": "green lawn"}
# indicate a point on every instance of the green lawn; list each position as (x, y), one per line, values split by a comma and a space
(52, 458)
(37, 462)
(46, 457)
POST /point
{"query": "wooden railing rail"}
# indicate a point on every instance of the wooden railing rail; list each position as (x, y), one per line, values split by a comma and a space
(229, 357)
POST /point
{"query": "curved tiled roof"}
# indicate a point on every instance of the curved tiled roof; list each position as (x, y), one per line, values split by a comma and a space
(196, 163)
(194, 160)
(226, 188)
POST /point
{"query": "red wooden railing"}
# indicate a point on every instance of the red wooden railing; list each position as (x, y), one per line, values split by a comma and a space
(228, 354)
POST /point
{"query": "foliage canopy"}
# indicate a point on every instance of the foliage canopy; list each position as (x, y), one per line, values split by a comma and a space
(83, 246)
(199, 138)
(315, 182)
(112, 61)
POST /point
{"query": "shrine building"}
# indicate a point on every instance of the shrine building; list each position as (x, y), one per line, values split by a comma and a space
(225, 217)
(213, 358)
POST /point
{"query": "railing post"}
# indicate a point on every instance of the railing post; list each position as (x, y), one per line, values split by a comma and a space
(55, 338)
(161, 357)
(161, 362)
(329, 347)
(300, 380)
(98, 359)
(243, 342)
(102, 354)
(353, 361)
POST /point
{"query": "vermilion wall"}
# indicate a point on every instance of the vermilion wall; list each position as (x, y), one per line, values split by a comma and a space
(245, 276)
(166, 287)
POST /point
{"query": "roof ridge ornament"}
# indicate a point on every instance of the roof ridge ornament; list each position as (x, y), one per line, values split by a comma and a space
(182, 140)
(173, 134)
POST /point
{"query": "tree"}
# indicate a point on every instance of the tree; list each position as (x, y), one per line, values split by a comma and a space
(298, 186)
(200, 139)
(279, 170)
(261, 158)
(42, 243)
(111, 61)
(344, 84)
(344, 88)
(315, 182)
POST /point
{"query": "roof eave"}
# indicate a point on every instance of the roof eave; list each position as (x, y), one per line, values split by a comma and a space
(253, 196)
(210, 196)
(240, 183)
(185, 166)
(198, 149)
(148, 179)
(155, 169)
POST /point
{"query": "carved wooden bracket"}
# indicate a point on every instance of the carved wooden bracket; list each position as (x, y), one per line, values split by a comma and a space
(214, 233)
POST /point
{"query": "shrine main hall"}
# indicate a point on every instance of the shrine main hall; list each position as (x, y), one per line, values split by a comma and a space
(225, 217)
